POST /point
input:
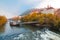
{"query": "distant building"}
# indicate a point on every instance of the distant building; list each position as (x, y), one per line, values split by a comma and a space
(57, 12)
(16, 18)
(49, 9)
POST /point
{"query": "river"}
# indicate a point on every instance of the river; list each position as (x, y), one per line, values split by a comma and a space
(26, 32)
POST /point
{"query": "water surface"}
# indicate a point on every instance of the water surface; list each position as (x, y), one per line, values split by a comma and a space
(26, 32)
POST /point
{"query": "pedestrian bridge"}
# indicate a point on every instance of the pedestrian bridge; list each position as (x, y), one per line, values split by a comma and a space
(29, 22)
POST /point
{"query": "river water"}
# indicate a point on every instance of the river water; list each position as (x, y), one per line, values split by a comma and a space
(26, 32)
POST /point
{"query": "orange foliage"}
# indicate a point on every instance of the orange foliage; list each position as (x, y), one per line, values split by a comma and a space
(42, 18)
(3, 20)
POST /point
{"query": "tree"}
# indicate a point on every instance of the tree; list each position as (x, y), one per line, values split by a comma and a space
(42, 18)
(3, 20)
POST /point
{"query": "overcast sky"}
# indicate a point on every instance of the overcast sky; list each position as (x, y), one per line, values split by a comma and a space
(11, 8)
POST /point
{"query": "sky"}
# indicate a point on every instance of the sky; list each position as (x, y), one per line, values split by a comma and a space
(10, 8)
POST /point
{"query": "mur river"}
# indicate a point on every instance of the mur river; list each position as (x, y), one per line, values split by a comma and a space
(26, 32)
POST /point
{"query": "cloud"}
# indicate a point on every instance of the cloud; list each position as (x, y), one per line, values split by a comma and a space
(42, 4)
(53, 3)
(4, 13)
(9, 9)
(28, 4)
(7, 14)
(30, 1)
(16, 7)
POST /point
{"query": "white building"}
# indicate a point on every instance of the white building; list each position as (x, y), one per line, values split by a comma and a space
(48, 10)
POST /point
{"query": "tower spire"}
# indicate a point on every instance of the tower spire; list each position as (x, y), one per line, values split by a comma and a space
(48, 6)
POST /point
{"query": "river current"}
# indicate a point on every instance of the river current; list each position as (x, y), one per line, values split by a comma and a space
(27, 32)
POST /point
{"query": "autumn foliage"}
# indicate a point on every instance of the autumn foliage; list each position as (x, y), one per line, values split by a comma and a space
(3, 20)
(42, 18)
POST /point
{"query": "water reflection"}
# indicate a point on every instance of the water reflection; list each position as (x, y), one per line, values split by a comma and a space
(32, 28)
(10, 30)
(2, 29)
